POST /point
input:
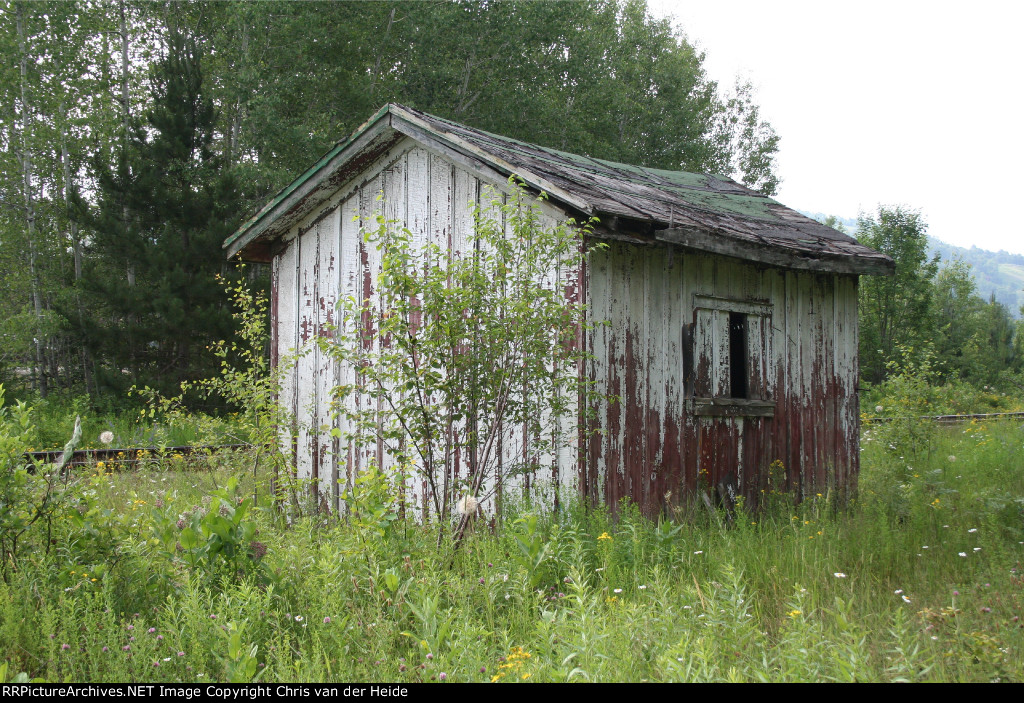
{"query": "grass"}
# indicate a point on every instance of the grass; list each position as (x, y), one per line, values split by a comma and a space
(921, 578)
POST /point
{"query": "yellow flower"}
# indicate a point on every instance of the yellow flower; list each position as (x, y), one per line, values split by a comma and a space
(604, 535)
(793, 613)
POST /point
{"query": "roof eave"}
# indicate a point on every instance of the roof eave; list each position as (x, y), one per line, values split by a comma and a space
(289, 196)
(867, 262)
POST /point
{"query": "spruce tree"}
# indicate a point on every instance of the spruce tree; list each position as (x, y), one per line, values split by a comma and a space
(163, 210)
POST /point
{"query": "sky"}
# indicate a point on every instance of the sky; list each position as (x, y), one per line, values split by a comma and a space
(891, 103)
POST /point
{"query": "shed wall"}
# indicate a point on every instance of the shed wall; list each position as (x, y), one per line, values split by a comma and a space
(656, 444)
(326, 258)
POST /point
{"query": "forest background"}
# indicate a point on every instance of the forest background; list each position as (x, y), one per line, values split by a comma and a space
(136, 136)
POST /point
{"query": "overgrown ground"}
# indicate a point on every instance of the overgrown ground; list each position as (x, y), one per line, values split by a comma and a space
(171, 574)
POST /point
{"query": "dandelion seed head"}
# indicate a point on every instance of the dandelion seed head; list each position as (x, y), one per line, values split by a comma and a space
(106, 437)
(467, 505)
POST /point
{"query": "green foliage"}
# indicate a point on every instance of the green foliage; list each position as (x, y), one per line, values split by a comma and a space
(30, 495)
(455, 347)
(918, 579)
(910, 394)
(895, 310)
(154, 247)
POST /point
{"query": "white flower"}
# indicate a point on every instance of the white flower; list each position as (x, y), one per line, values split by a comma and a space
(905, 599)
(618, 590)
(699, 551)
(977, 549)
(467, 505)
(973, 529)
(642, 587)
(107, 437)
(839, 575)
(298, 618)
(898, 591)
(879, 408)
(963, 554)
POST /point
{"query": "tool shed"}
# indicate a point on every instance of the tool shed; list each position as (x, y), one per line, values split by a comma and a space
(731, 342)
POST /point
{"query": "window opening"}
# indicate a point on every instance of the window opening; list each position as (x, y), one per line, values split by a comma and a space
(738, 361)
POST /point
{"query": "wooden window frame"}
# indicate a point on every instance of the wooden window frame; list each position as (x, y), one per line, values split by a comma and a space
(726, 405)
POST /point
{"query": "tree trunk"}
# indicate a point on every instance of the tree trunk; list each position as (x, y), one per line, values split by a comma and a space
(40, 378)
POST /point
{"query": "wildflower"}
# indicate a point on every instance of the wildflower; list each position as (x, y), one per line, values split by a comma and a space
(106, 437)
(699, 551)
(956, 593)
(467, 505)
(105, 649)
(618, 590)
(642, 587)
(879, 408)
(898, 591)
(963, 554)
(429, 656)
(793, 613)
(65, 647)
(977, 549)
(905, 599)
(298, 618)
(604, 535)
(986, 610)
(151, 630)
(442, 676)
(181, 654)
(327, 620)
(951, 458)
(973, 529)
(839, 575)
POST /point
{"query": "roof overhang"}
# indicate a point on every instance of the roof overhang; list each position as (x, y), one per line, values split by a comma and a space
(790, 240)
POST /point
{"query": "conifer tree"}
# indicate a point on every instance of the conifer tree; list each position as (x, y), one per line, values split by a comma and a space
(163, 211)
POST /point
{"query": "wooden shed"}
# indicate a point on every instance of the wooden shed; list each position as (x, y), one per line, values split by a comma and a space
(732, 341)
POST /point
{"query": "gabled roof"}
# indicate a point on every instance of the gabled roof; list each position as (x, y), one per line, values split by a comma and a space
(703, 212)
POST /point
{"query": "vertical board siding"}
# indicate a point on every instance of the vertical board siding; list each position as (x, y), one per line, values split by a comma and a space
(328, 260)
(648, 444)
(286, 324)
(802, 358)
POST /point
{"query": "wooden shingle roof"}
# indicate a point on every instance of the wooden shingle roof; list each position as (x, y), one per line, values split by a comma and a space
(696, 211)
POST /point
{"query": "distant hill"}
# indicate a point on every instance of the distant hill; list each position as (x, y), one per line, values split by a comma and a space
(996, 272)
